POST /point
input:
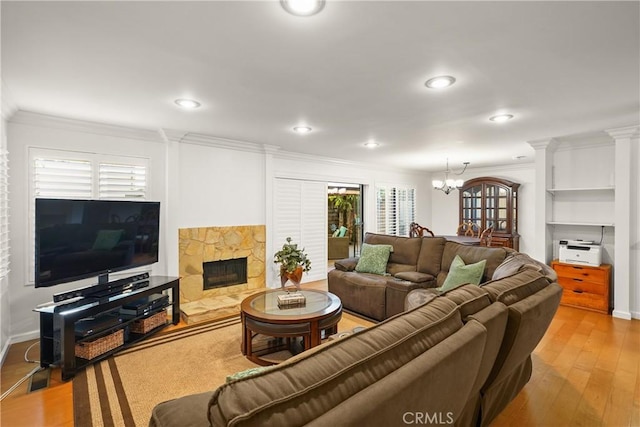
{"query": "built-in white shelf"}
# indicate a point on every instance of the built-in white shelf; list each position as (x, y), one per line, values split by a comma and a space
(579, 190)
(586, 224)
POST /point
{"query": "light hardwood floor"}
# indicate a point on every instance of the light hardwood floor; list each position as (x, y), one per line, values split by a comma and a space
(586, 372)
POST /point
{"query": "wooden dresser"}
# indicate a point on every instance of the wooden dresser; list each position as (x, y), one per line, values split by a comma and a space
(584, 286)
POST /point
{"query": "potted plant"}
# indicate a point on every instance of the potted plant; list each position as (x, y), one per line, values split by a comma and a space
(293, 262)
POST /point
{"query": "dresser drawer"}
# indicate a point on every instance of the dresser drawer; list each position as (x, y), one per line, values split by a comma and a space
(598, 275)
(582, 286)
(585, 300)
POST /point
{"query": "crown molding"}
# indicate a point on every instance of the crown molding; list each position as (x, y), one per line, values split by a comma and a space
(544, 144)
(43, 120)
(225, 143)
(625, 132)
(290, 155)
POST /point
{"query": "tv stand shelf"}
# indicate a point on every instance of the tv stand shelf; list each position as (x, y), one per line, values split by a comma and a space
(57, 324)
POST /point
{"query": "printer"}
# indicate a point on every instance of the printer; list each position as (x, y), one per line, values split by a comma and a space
(580, 252)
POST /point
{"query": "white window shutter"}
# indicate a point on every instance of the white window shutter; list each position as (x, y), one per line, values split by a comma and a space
(4, 214)
(395, 210)
(300, 212)
(121, 181)
(59, 178)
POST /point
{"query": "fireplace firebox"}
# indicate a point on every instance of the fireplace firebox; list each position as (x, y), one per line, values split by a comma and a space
(218, 274)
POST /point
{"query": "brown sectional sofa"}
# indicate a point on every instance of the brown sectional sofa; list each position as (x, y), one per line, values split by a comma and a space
(415, 263)
(457, 358)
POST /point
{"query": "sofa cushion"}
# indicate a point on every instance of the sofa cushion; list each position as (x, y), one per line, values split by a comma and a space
(431, 255)
(373, 259)
(517, 261)
(297, 392)
(512, 289)
(347, 264)
(461, 273)
(470, 299)
(186, 411)
(405, 249)
(414, 276)
(471, 255)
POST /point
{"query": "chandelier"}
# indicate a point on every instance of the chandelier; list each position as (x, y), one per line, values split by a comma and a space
(448, 185)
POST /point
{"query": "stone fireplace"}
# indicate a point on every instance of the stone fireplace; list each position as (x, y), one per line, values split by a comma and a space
(226, 272)
(198, 246)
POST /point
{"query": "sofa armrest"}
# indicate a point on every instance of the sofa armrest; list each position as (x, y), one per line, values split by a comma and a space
(346, 264)
(414, 276)
(397, 291)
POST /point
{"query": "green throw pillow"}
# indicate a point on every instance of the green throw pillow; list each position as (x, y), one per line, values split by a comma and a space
(107, 239)
(461, 274)
(373, 259)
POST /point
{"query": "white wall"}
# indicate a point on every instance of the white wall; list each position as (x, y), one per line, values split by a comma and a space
(287, 165)
(635, 232)
(25, 131)
(220, 187)
(201, 181)
(5, 317)
(445, 208)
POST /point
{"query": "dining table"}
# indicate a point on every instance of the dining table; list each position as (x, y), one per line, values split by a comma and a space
(465, 240)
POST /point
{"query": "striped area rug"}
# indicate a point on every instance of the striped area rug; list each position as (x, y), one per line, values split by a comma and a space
(123, 389)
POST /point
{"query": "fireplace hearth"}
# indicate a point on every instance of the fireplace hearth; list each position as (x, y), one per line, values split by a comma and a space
(228, 272)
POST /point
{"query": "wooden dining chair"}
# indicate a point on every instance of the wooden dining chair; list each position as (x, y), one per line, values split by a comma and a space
(485, 236)
(416, 230)
(470, 229)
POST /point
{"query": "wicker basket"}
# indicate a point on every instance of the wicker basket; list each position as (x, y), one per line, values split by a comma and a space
(142, 326)
(92, 349)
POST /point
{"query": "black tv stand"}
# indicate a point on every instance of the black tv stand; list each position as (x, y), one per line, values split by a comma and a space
(58, 323)
(104, 287)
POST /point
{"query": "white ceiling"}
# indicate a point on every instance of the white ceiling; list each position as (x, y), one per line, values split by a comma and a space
(354, 72)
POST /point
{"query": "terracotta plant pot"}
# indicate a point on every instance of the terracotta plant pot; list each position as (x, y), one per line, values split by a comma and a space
(295, 276)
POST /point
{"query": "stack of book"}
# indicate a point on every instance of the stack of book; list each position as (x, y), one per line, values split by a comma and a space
(290, 300)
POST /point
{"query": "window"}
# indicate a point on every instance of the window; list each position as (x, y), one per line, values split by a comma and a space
(395, 210)
(74, 175)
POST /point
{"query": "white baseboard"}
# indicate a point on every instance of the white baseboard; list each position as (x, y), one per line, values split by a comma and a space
(635, 314)
(26, 336)
(621, 314)
(32, 335)
(4, 351)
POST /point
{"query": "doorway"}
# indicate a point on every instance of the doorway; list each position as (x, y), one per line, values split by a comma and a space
(344, 220)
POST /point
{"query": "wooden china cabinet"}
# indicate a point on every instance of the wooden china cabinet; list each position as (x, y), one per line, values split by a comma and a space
(488, 202)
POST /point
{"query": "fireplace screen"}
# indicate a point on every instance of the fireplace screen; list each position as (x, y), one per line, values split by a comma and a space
(222, 273)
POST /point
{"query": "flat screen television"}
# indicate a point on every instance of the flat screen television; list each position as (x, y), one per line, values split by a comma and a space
(77, 239)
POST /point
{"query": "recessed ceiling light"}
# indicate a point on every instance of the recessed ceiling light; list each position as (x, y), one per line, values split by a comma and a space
(500, 118)
(440, 82)
(520, 157)
(187, 103)
(302, 129)
(371, 144)
(302, 7)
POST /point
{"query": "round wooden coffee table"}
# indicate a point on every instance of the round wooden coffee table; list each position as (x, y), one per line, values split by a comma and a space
(261, 316)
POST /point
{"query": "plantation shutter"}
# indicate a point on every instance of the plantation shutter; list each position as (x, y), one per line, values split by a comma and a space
(4, 214)
(300, 212)
(62, 179)
(120, 181)
(395, 210)
(406, 207)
